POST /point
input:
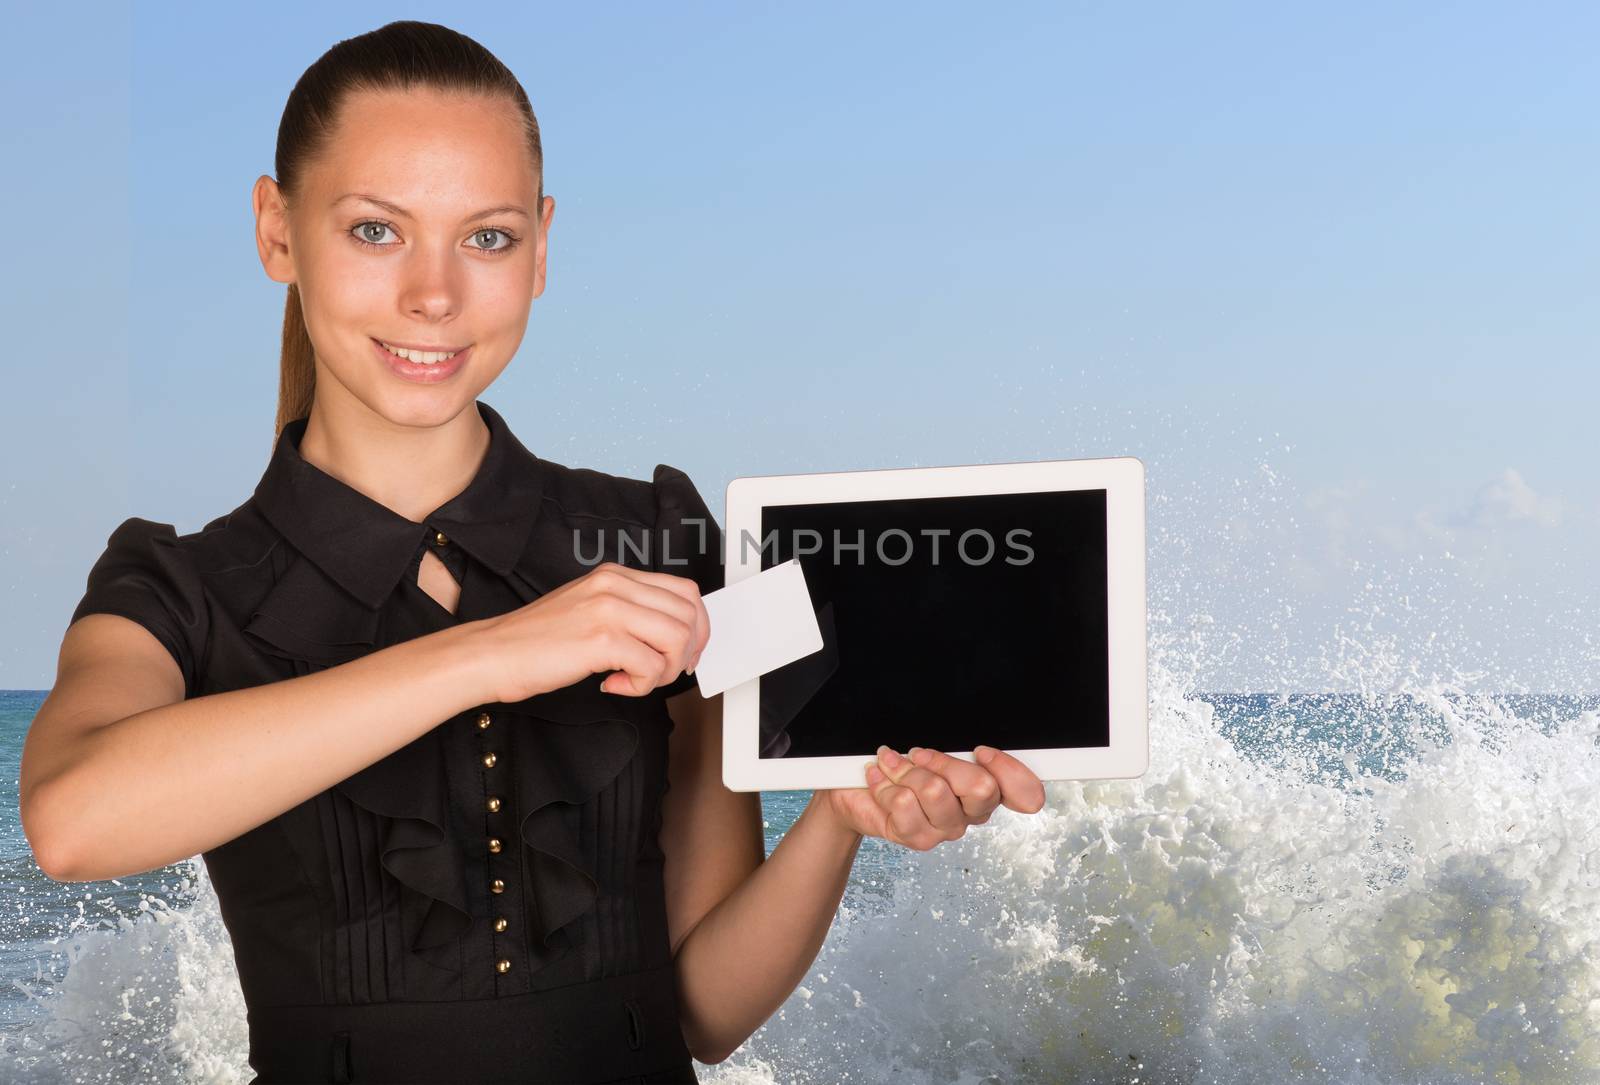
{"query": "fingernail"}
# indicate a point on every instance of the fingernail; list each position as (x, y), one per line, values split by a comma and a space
(984, 754)
(874, 774)
(919, 756)
(889, 758)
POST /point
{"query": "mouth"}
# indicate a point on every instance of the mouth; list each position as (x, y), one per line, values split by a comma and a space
(419, 355)
(421, 366)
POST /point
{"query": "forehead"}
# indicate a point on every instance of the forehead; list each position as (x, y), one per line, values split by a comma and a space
(427, 151)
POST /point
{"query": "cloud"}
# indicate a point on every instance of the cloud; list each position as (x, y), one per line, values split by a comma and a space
(1350, 525)
(1334, 519)
(1507, 499)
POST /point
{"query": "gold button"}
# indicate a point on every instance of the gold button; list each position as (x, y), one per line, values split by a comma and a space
(488, 760)
(483, 720)
(494, 804)
(494, 845)
(497, 886)
(438, 537)
(502, 965)
(500, 923)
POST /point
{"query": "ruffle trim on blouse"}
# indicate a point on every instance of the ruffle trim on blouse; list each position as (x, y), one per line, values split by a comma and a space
(568, 746)
(308, 618)
(577, 746)
(581, 741)
(407, 794)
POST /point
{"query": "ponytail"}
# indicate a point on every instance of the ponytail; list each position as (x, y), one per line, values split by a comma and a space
(297, 370)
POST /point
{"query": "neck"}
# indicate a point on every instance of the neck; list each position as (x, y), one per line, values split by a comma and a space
(409, 469)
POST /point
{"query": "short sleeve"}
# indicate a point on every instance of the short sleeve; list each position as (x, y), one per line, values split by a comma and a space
(687, 542)
(144, 575)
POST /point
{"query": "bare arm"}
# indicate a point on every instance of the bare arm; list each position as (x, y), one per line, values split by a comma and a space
(121, 775)
(744, 929)
(165, 783)
(746, 957)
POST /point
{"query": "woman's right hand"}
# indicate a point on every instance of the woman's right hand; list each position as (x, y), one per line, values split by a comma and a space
(645, 627)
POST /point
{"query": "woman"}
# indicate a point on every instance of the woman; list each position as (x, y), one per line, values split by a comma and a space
(422, 747)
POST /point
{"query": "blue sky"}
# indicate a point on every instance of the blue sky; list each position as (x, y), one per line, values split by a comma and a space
(1331, 273)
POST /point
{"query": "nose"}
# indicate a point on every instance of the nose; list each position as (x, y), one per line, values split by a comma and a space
(433, 284)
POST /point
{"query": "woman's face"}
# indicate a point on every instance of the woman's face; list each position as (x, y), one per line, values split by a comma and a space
(388, 241)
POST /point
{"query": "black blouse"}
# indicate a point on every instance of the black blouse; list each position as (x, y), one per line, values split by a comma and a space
(486, 902)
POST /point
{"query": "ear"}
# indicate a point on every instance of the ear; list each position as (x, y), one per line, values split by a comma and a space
(272, 230)
(539, 244)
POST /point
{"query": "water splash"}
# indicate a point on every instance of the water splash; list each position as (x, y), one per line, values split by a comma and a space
(1362, 889)
(147, 997)
(1238, 918)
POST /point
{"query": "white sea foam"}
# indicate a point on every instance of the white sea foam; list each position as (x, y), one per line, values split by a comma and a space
(148, 999)
(1225, 919)
(1229, 917)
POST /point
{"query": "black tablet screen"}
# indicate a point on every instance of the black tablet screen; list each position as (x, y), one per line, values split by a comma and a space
(947, 622)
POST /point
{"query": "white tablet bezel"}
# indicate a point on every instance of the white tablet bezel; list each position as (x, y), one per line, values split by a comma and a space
(1122, 478)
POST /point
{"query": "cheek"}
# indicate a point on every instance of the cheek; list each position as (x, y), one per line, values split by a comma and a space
(356, 289)
(502, 299)
(342, 299)
(340, 290)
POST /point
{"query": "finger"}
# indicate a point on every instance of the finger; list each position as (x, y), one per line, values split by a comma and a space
(905, 823)
(643, 668)
(937, 802)
(974, 785)
(643, 641)
(663, 632)
(691, 591)
(621, 583)
(687, 590)
(1020, 789)
(700, 621)
(642, 584)
(705, 635)
(702, 629)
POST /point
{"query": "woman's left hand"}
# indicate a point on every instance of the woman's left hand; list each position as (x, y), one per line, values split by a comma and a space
(932, 797)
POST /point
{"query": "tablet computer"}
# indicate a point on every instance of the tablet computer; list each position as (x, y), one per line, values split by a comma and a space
(988, 604)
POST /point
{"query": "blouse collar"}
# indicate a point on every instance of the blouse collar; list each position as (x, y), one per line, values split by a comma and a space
(365, 547)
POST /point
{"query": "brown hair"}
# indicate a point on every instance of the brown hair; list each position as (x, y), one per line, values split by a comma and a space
(397, 56)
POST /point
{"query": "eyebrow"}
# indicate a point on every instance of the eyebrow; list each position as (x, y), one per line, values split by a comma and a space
(395, 209)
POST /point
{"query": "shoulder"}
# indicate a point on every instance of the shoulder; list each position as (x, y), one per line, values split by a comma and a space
(224, 552)
(148, 573)
(158, 545)
(235, 543)
(587, 493)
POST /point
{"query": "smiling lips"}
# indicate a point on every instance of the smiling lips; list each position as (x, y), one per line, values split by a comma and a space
(423, 355)
(421, 366)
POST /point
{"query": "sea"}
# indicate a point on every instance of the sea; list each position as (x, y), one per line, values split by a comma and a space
(1350, 888)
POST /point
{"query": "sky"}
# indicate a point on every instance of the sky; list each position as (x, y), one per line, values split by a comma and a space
(1330, 273)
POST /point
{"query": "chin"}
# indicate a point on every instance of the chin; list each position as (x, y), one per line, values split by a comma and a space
(421, 407)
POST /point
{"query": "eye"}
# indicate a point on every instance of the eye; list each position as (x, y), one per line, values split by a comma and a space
(511, 242)
(364, 232)
(368, 232)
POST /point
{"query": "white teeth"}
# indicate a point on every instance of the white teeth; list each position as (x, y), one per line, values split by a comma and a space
(425, 357)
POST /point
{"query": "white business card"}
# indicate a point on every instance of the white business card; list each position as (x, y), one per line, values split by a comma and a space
(757, 625)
